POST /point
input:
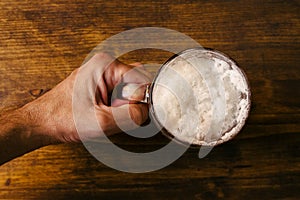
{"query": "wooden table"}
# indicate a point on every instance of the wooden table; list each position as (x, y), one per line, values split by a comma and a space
(42, 41)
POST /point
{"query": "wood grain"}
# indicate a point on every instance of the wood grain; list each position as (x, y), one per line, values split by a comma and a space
(41, 42)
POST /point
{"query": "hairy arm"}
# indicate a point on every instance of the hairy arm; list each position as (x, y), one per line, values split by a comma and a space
(49, 119)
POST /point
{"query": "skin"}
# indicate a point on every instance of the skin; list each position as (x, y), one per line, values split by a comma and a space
(49, 119)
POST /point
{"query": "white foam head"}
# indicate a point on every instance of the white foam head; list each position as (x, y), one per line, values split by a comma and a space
(201, 97)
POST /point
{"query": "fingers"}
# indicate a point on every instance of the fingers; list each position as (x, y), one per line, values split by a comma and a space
(137, 79)
(118, 102)
(120, 72)
(95, 81)
(114, 73)
(123, 118)
(136, 73)
(121, 115)
(137, 64)
(141, 69)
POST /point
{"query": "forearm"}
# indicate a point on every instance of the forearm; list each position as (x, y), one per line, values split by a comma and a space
(18, 135)
(49, 119)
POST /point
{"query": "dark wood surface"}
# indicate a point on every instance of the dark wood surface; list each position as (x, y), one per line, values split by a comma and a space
(41, 42)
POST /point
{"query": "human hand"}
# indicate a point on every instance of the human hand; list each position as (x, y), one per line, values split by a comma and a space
(51, 115)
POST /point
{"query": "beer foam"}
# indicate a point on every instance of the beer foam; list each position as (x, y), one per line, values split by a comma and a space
(182, 99)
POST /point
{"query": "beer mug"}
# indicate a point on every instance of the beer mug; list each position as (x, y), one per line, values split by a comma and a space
(198, 97)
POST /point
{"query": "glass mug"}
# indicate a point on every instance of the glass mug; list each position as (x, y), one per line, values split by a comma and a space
(198, 97)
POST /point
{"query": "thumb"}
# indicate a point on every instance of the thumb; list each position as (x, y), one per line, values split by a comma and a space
(132, 92)
(123, 118)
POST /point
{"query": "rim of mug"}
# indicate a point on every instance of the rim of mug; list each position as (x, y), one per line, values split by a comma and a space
(227, 135)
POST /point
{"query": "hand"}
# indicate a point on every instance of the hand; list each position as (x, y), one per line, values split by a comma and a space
(52, 113)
